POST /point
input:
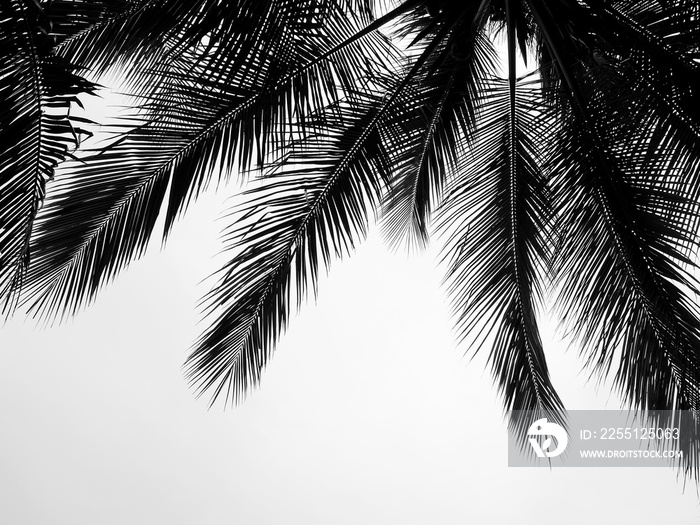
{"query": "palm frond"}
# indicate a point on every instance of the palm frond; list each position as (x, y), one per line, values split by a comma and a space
(585, 181)
(316, 207)
(201, 124)
(624, 265)
(431, 135)
(37, 131)
(68, 18)
(497, 219)
(125, 33)
(624, 278)
(294, 223)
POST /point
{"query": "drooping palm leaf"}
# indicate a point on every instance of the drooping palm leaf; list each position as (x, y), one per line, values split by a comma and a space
(294, 223)
(497, 219)
(306, 214)
(624, 177)
(102, 212)
(36, 94)
(433, 134)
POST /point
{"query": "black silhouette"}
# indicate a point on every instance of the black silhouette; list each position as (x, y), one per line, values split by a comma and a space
(581, 179)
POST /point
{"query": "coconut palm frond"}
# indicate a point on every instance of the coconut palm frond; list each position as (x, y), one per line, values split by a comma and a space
(196, 125)
(431, 137)
(316, 207)
(626, 275)
(293, 225)
(38, 132)
(130, 33)
(624, 172)
(497, 218)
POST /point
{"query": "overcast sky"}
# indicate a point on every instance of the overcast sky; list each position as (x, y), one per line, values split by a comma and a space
(368, 413)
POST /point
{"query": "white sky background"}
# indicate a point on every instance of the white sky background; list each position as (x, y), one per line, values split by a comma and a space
(367, 413)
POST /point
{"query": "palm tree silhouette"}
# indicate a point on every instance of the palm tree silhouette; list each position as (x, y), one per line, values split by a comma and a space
(580, 179)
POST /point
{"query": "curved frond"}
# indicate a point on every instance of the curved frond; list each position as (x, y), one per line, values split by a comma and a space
(108, 204)
(432, 134)
(290, 227)
(497, 220)
(36, 94)
(625, 213)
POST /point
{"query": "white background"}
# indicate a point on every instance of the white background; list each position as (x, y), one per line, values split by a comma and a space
(368, 413)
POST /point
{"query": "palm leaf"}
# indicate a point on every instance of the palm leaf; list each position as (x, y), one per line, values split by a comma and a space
(316, 207)
(36, 95)
(431, 135)
(101, 214)
(296, 221)
(623, 263)
(497, 220)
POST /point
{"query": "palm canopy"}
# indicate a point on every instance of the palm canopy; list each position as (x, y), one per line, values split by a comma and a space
(580, 179)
